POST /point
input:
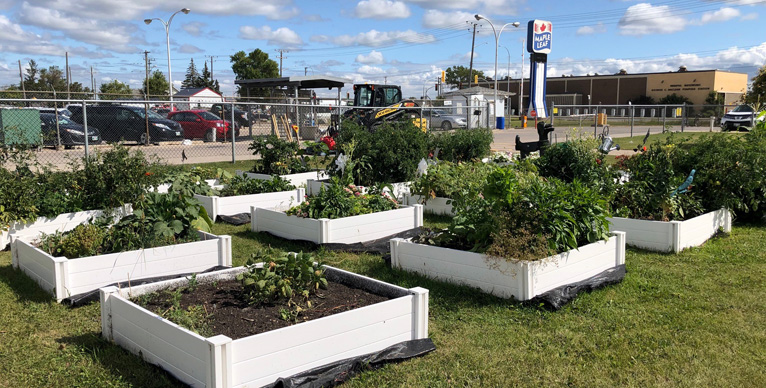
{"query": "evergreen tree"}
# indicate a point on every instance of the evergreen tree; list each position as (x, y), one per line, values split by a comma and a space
(206, 80)
(192, 76)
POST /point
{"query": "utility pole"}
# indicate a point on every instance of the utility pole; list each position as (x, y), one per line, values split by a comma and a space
(385, 80)
(92, 83)
(146, 64)
(305, 70)
(21, 76)
(473, 45)
(281, 56)
(67, 77)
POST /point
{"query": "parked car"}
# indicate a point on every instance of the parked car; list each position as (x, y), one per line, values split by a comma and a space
(62, 111)
(71, 133)
(128, 123)
(224, 111)
(201, 124)
(441, 118)
(741, 117)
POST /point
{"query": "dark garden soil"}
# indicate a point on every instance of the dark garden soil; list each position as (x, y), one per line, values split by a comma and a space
(230, 315)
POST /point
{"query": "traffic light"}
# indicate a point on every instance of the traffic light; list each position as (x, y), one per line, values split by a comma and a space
(436, 87)
(443, 76)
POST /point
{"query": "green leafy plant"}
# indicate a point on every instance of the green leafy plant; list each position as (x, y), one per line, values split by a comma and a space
(337, 201)
(242, 185)
(462, 145)
(450, 180)
(278, 156)
(281, 278)
(389, 153)
(577, 159)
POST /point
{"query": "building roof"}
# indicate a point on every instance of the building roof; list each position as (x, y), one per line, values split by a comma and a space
(477, 90)
(190, 92)
(302, 82)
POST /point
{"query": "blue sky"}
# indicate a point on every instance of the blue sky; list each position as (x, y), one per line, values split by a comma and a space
(406, 42)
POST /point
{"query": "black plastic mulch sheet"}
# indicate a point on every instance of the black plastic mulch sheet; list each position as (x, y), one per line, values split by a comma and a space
(92, 296)
(337, 372)
(556, 298)
(237, 219)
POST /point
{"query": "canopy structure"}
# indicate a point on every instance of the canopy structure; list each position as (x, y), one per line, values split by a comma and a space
(299, 82)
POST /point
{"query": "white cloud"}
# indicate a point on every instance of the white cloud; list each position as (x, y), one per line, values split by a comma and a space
(750, 16)
(137, 9)
(189, 49)
(14, 39)
(644, 19)
(194, 28)
(283, 36)
(453, 20)
(721, 15)
(590, 30)
(373, 58)
(370, 70)
(374, 38)
(381, 9)
(319, 38)
(490, 7)
(108, 36)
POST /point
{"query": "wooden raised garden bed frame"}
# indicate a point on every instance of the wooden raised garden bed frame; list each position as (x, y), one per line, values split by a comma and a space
(345, 230)
(229, 206)
(61, 223)
(261, 359)
(63, 277)
(297, 180)
(438, 205)
(522, 280)
(672, 236)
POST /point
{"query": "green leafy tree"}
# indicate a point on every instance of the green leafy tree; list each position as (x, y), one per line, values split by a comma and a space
(456, 76)
(642, 100)
(158, 86)
(115, 90)
(713, 105)
(677, 99)
(757, 93)
(254, 65)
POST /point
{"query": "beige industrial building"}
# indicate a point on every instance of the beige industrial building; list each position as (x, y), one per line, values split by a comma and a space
(618, 89)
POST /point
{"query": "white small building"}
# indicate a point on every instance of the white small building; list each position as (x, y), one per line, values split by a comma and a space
(198, 98)
(479, 99)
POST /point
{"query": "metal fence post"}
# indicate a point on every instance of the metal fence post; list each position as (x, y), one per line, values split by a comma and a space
(233, 158)
(632, 118)
(664, 115)
(85, 125)
(683, 116)
(553, 112)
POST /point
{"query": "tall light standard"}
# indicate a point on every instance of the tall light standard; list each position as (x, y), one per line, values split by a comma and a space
(167, 35)
(497, 42)
(508, 77)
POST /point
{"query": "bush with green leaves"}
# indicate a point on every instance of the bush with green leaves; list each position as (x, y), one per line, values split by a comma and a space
(281, 277)
(523, 216)
(450, 180)
(278, 156)
(577, 159)
(650, 193)
(731, 171)
(389, 153)
(462, 145)
(338, 200)
(242, 185)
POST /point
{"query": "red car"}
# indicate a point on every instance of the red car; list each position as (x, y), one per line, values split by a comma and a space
(200, 124)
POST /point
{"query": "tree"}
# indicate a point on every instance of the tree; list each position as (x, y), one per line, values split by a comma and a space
(677, 99)
(192, 79)
(208, 81)
(713, 105)
(757, 93)
(255, 65)
(115, 90)
(457, 76)
(642, 100)
(158, 86)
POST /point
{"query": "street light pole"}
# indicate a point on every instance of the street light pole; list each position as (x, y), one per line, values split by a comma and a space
(508, 76)
(497, 42)
(167, 36)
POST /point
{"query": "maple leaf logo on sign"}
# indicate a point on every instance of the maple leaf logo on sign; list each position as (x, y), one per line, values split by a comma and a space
(540, 35)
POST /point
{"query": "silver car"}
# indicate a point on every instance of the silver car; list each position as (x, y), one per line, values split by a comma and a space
(741, 117)
(442, 118)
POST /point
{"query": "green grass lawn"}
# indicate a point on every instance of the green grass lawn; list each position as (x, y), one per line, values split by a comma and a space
(695, 319)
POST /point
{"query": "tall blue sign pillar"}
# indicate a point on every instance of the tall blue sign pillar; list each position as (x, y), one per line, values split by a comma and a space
(539, 38)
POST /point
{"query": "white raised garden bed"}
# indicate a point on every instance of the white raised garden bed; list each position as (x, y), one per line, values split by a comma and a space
(313, 187)
(261, 359)
(297, 180)
(436, 205)
(345, 230)
(63, 277)
(522, 280)
(214, 183)
(229, 206)
(61, 223)
(672, 236)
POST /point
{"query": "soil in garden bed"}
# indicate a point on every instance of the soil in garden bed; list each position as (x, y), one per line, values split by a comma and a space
(225, 311)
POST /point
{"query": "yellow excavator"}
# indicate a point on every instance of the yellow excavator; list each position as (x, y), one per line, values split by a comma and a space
(376, 104)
